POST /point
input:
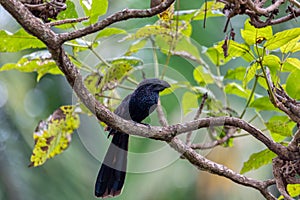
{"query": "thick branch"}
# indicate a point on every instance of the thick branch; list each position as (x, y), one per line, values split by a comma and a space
(204, 164)
(116, 17)
(29, 22)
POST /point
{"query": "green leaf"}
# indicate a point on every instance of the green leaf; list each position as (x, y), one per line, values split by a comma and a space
(94, 8)
(258, 160)
(69, 13)
(119, 67)
(53, 136)
(189, 102)
(20, 40)
(236, 74)
(291, 46)
(253, 35)
(292, 84)
(262, 103)
(81, 45)
(211, 9)
(202, 77)
(280, 125)
(136, 46)
(92, 82)
(272, 61)
(295, 62)
(236, 89)
(282, 38)
(250, 74)
(109, 31)
(293, 190)
(235, 50)
(40, 62)
(181, 47)
(148, 31)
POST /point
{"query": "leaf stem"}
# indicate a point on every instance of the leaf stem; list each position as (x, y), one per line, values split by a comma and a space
(250, 97)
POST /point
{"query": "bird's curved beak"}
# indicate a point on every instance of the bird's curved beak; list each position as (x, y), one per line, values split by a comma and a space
(161, 86)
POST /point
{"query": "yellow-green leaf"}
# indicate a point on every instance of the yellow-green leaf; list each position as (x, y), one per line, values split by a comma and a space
(291, 46)
(293, 190)
(20, 40)
(280, 125)
(250, 74)
(236, 74)
(253, 35)
(136, 46)
(40, 62)
(189, 102)
(258, 160)
(262, 103)
(202, 77)
(110, 31)
(119, 67)
(295, 62)
(282, 38)
(68, 14)
(94, 8)
(208, 9)
(236, 89)
(53, 136)
(292, 84)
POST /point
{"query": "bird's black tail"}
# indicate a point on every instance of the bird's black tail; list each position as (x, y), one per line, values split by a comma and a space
(112, 173)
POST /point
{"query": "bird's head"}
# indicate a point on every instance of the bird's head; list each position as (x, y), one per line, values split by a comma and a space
(154, 84)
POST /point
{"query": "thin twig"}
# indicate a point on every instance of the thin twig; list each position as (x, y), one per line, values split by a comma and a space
(67, 21)
(198, 113)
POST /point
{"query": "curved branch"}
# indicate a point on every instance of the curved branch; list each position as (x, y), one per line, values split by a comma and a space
(204, 164)
(116, 17)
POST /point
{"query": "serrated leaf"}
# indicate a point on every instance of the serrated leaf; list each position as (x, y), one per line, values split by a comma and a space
(236, 74)
(40, 62)
(53, 136)
(262, 103)
(280, 125)
(258, 160)
(282, 38)
(292, 84)
(238, 90)
(117, 70)
(109, 31)
(202, 77)
(20, 40)
(253, 35)
(67, 14)
(189, 102)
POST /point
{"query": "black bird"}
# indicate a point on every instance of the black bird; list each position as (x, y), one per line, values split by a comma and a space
(136, 107)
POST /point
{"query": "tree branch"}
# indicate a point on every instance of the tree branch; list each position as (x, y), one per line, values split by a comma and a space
(204, 164)
(116, 17)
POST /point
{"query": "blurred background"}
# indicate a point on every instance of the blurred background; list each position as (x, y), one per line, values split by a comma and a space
(71, 175)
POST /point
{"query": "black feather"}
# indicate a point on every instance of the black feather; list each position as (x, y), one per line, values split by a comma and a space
(136, 106)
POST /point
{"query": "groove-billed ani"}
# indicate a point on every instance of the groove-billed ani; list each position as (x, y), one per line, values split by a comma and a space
(136, 106)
